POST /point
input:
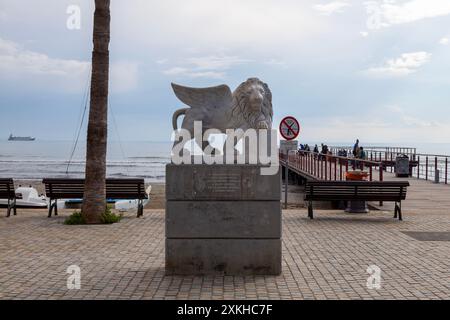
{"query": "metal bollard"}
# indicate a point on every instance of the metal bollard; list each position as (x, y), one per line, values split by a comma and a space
(436, 176)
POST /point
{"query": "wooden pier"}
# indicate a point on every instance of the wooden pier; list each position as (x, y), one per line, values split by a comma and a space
(423, 195)
(315, 166)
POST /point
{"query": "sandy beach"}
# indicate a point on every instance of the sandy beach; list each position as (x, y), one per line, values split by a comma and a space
(157, 195)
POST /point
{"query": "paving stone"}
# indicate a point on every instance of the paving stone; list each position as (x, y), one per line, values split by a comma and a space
(325, 258)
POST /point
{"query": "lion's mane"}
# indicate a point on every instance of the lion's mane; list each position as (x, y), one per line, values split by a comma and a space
(240, 112)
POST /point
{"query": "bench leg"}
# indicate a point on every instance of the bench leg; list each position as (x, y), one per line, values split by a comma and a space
(14, 207)
(310, 210)
(140, 211)
(50, 207)
(8, 212)
(398, 211)
(395, 210)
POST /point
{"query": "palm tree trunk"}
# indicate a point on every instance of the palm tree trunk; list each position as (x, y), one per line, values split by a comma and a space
(94, 200)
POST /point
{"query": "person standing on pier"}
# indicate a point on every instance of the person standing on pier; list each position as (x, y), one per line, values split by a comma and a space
(356, 149)
(356, 154)
(362, 153)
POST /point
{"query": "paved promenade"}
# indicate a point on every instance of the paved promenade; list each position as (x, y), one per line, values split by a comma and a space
(325, 258)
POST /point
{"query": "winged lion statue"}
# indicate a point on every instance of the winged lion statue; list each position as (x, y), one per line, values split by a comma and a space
(249, 106)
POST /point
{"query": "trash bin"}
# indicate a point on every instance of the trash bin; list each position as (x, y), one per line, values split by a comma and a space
(402, 166)
(357, 206)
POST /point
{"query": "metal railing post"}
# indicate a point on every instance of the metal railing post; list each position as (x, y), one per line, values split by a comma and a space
(418, 167)
(381, 179)
(321, 168)
(330, 162)
(346, 166)
(335, 169)
(391, 162)
(446, 170)
(435, 167)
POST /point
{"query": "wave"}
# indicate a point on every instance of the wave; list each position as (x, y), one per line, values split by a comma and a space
(136, 175)
(109, 162)
(150, 157)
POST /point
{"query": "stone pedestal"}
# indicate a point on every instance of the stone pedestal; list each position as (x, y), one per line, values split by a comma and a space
(222, 219)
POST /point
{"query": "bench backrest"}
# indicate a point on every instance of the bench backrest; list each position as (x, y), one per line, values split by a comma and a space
(7, 189)
(115, 188)
(356, 190)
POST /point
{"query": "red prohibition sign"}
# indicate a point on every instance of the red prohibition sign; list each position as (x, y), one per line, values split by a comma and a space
(289, 128)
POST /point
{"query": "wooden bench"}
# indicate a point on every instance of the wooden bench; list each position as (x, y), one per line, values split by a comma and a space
(128, 189)
(394, 191)
(7, 192)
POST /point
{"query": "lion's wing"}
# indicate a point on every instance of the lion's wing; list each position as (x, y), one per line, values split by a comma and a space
(213, 97)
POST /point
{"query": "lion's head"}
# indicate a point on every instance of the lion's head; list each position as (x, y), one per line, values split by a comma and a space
(252, 103)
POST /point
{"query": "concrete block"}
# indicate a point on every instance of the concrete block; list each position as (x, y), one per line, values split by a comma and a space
(220, 182)
(223, 219)
(286, 146)
(223, 256)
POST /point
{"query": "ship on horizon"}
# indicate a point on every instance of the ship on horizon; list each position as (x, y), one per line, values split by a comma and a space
(14, 138)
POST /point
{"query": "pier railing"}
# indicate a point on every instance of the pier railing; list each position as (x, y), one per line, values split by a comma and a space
(432, 167)
(423, 166)
(330, 167)
(379, 153)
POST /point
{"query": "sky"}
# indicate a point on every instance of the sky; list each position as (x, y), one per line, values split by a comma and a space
(374, 70)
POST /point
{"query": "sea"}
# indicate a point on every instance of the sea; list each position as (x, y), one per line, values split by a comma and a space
(133, 159)
(50, 159)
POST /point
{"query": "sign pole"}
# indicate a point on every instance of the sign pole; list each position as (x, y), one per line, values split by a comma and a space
(286, 181)
(289, 130)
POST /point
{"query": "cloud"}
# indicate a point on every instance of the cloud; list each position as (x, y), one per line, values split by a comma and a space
(15, 60)
(390, 12)
(331, 7)
(408, 120)
(364, 34)
(39, 70)
(276, 62)
(383, 124)
(406, 64)
(213, 67)
(207, 24)
(185, 72)
(444, 41)
(216, 62)
(124, 76)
